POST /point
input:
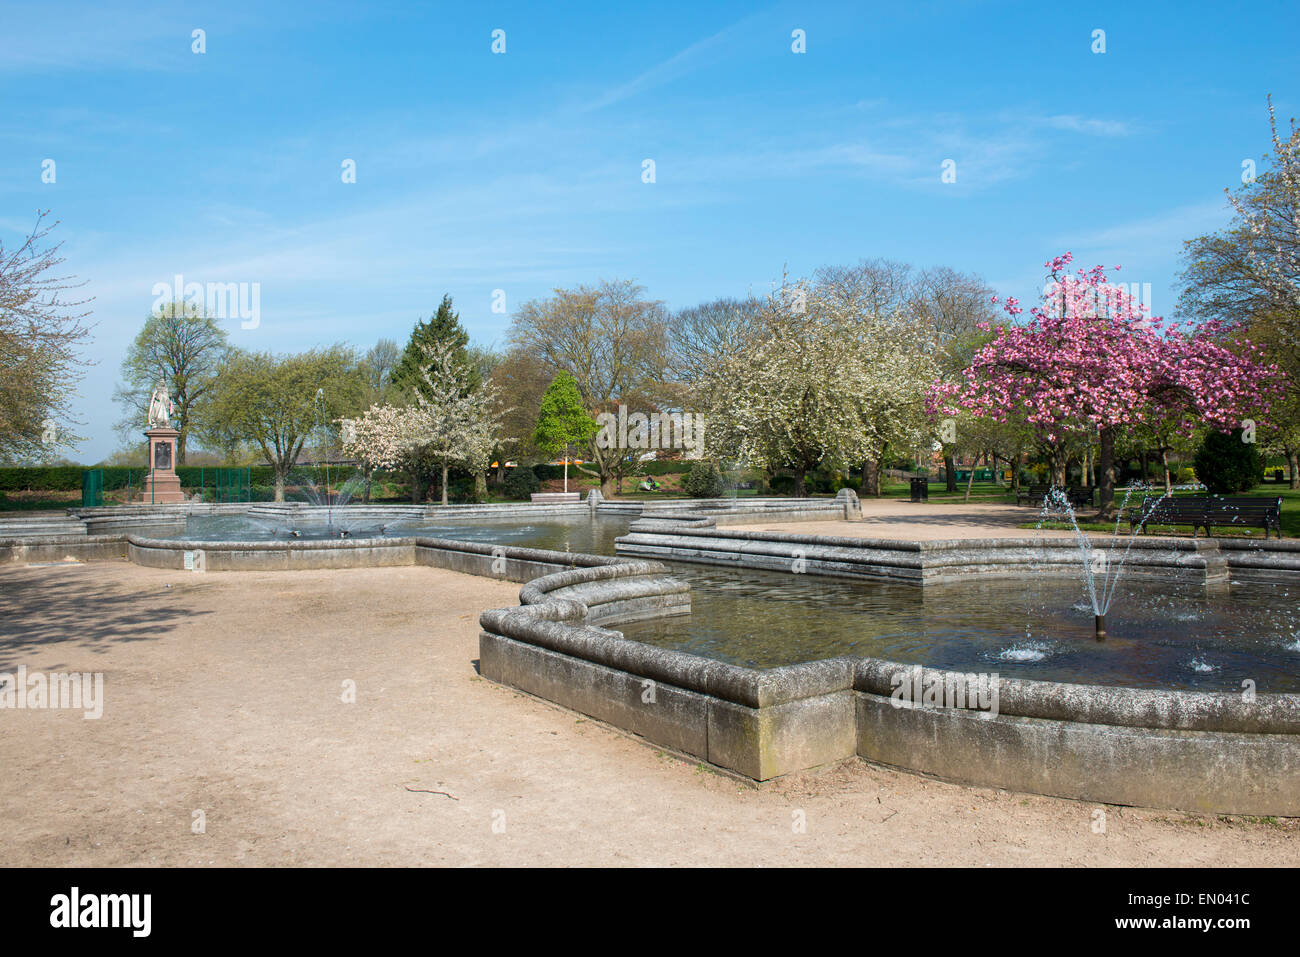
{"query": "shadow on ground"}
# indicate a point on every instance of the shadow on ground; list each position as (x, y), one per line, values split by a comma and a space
(47, 606)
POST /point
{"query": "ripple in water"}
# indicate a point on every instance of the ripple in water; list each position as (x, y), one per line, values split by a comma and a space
(1201, 666)
(1026, 651)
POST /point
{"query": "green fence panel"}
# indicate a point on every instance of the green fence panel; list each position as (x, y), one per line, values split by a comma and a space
(92, 488)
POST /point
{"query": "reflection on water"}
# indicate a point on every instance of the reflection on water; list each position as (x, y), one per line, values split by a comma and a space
(594, 536)
(1160, 635)
(1025, 629)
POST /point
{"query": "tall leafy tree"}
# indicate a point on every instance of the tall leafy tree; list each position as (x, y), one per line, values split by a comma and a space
(440, 331)
(378, 366)
(614, 341)
(454, 421)
(277, 402)
(818, 382)
(1091, 362)
(178, 345)
(563, 420)
(520, 381)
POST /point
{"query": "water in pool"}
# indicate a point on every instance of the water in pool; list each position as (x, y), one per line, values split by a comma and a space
(1160, 635)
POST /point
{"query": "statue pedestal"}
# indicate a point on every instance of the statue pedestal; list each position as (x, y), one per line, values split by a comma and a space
(162, 485)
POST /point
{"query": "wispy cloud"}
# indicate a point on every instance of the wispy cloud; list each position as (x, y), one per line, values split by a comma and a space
(1162, 232)
(1091, 126)
(678, 65)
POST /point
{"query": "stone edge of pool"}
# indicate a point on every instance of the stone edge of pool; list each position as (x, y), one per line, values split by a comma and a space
(1200, 561)
(1193, 751)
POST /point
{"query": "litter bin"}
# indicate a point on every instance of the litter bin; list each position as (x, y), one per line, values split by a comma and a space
(920, 490)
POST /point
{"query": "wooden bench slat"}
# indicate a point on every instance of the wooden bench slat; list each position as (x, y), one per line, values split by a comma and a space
(1205, 512)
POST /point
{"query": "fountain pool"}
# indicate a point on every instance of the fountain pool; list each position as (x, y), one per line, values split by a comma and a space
(1161, 634)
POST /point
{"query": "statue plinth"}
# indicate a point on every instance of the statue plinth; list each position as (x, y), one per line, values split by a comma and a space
(162, 485)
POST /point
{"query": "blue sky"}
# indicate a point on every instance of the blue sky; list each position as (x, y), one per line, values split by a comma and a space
(523, 171)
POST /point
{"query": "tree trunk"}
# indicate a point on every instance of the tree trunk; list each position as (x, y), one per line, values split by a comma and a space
(970, 480)
(1058, 464)
(800, 482)
(366, 497)
(1164, 464)
(950, 472)
(279, 483)
(444, 483)
(480, 485)
(1293, 466)
(1106, 464)
(871, 472)
(607, 486)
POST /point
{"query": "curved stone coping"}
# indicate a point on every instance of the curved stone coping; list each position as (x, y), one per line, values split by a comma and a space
(552, 622)
(1103, 704)
(584, 580)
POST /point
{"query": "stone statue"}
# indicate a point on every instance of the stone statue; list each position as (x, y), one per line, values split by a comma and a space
(160, 407)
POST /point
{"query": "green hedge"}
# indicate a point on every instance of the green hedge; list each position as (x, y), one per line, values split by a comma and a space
(52, 478)
(67, 478)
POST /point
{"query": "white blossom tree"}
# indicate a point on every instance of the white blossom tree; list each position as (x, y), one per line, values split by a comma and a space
(817, 383)
(453, 422)
(379, 439)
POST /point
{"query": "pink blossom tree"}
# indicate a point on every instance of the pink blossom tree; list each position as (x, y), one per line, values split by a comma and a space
(1091, 361)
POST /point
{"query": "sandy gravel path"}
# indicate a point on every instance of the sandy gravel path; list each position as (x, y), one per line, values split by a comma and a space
(223, 695)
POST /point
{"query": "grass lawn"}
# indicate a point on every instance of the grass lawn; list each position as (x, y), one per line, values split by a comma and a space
(981, 491)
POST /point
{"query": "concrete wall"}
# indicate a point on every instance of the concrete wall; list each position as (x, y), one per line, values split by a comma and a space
(1197, 561)
(759, 723)
(1217, 753)
(60, 548)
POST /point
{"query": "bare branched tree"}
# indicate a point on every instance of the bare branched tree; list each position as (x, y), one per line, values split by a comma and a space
(615, 343)
(41, 333)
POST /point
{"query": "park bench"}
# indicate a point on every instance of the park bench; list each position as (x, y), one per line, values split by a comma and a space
(1076, 495)
(1081, 495)
(1207, 511)
(1032, 494)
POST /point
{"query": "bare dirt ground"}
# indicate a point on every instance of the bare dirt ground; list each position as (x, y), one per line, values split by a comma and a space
(223, 694)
